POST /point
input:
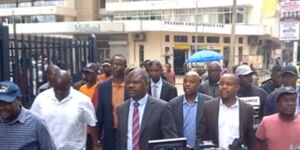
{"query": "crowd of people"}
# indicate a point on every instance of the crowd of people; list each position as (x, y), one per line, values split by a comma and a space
(123, 108)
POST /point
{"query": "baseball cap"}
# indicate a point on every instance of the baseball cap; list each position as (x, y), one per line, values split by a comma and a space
(289, 69)
(91, 67)
(284, 90)
(243, 70)
(9, 91)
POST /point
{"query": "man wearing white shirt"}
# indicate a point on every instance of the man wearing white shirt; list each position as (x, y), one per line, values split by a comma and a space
(142, 117)
(159, 88)
(67, 113)
(227, 119)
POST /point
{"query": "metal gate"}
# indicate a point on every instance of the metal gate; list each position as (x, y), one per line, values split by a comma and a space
(24, 58)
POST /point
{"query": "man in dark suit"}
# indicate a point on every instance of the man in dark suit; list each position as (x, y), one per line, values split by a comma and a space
(227, 118)
(111, 93)
(159, 88)
(187, 108)
(142, 117)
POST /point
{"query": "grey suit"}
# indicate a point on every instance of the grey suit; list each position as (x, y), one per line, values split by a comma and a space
(157, 123)
(176, 106)
(209, 123)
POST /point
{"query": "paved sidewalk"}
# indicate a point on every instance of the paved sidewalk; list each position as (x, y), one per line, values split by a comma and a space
(178, 85)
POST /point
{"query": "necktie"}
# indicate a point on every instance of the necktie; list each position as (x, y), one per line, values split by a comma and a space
(135, 127)
(154, 92)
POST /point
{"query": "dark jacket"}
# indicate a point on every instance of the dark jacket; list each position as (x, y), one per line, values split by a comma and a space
(268, 86)
(210, 89)
(168, 91)
(209, 129)
(176, 106)
(104, 114)
(157, 123)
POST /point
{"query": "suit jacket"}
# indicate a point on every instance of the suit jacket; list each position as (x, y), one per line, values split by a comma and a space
(168, 91)
(176, 107)
(157, 123)
(104, 114)
(209, 129)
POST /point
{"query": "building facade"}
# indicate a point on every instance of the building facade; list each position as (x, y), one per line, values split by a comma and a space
(166, 30)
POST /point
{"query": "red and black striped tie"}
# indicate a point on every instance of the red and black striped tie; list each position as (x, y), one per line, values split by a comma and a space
(135, 127)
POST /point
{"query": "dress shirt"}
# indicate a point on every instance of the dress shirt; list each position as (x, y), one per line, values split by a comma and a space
(27, 131)
(67, 119)
(142, 104)
(189, 121)
(117, 98)
(228, 124)
(158, 87)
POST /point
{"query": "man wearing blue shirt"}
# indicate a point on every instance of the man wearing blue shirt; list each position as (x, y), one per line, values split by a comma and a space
(19, 128)
(187, 109)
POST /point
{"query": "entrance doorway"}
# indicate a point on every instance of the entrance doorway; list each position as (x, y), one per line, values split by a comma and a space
(179, 60)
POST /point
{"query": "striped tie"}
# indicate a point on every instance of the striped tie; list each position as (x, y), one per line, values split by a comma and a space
(135, 127)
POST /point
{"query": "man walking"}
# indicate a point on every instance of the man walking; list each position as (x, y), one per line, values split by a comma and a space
(275, 81)
(289, 77)
(251, 93)
(227, 118)
(280, 131)
(211, 86)
(19, 128)
(89, 75)
(67, 113)
(111, 94)
(187, 109)
(142, 117)
(160, 88)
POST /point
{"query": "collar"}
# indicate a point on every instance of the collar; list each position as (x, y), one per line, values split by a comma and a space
(159, 83)
(67, 98)
(141, 101)
(186, 102)
(118, 85)
(21, 117)
(236, 105)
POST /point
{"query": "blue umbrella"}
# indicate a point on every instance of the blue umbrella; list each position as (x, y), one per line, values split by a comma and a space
(205, 56)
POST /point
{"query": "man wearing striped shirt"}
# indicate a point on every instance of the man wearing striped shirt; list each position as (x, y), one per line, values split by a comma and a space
(19, 128)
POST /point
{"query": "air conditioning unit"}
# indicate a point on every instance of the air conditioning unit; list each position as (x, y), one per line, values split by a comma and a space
(253, 40)
(139, 37)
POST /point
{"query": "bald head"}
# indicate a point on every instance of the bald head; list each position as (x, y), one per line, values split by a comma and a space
(62, 84)
(194, 75)
(51, 72)
(191, 83)
(214, 71)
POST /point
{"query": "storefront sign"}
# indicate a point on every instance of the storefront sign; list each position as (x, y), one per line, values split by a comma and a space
(289, 31)
(194, 24)
(182, 46)
(87, 28)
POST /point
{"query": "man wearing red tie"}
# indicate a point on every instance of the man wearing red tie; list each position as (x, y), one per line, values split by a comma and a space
(138, 121)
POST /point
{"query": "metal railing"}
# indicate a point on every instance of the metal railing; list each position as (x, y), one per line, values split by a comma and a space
(27, 56)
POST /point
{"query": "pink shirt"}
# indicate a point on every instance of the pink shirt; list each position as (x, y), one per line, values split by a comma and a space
(279, 135)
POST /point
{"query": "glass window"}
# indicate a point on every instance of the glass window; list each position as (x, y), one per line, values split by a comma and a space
(226, 40)
(167, 38)
(8, 5)
(213, 39)
(180, 38)
(200, 39)
(25, 4)
(241, 40)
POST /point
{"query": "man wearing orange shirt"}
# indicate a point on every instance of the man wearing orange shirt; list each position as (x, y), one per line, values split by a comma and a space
(111, 94)
(89, 75)
(106, 68)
